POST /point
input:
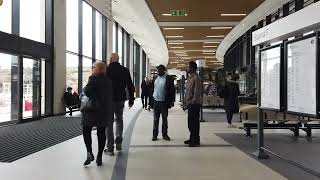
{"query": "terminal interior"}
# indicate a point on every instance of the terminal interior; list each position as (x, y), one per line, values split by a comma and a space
(273, 47)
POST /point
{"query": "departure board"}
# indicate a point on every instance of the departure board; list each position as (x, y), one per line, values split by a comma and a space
(301, 81)
(270, 78)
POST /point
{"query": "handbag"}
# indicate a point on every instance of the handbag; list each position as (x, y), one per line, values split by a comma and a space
(87, 104)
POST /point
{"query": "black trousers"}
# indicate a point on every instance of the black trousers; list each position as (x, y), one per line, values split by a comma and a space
(160, 107)
(88, 140)
(229, 116)
(144, 99)
(194, 122)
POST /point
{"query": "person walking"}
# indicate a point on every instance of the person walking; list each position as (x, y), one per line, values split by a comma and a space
(231, 93)
(193, 102)
(96, 110)
(164, 93)
(121, 83)
(145, 92)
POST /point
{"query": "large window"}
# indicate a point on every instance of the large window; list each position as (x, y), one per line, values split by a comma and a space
(73, 26)
(114, 37)
(98, 36)
(86, 70)
(120, 44)
(72, 71)
(5, 16)
(87, 30)
(32, 20)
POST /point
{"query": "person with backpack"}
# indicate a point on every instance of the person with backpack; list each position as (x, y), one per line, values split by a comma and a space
(97, 110)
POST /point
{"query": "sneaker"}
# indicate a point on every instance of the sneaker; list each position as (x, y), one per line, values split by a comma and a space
(187, 142)
(232, 126)
(109, 152)
(154, 138)
(166, 137)
(119, 147)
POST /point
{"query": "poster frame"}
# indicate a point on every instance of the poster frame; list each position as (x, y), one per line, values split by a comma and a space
(281, 85)
(285, 90)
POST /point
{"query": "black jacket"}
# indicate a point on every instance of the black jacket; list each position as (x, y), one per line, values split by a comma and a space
(99, 88)
(231, 93)
(121, 81)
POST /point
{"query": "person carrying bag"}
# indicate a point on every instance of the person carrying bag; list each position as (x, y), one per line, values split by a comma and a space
(96, 110)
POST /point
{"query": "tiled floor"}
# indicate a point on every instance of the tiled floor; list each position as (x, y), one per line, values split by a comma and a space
(147, 160)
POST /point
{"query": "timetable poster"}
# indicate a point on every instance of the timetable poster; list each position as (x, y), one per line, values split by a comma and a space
(301, 82)
(270, 78)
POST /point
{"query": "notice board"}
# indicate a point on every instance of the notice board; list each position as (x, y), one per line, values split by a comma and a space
(302, 76)
(270, 78)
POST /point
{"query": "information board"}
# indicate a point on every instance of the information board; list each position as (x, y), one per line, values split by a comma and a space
(301, 78)
(270, 78)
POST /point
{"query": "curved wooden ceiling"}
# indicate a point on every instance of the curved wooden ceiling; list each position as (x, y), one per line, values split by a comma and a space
(196, 28)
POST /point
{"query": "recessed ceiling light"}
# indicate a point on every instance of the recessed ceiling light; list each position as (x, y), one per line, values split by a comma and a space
(240, 14)
(212, 42)
(208, 53)
(166, 14)
(174, 36)
(173, 28)
(174, 62)
(182, 55)
(216, 36)
(209, 57)
(210, 46)
(177, 47)
(175, 43)
(222, 27)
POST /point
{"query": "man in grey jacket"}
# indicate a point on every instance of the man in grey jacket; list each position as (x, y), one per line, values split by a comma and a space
(193, 101)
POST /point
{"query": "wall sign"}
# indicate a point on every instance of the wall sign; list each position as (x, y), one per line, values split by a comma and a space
(305, 20)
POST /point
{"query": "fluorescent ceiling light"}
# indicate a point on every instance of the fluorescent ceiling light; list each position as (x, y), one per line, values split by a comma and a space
(240, 14)
(212, 42)
(184, 55)
(209, 57)
(174, 62)
(210, 46)
(209, 53)
(173, 28)
(174, 36)
(175, 43)
(186, 58)
(177, 47)
(166, 14)
(222, 27)
(217, 36)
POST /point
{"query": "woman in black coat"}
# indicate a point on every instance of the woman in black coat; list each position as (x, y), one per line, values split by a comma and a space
(231, 93)
(98, 88)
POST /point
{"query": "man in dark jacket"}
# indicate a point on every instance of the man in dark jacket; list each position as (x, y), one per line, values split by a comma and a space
(121, 82)
(231, 93)
(164, 93)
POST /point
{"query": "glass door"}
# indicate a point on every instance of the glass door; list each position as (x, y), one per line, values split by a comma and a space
(9, 87)
(31, 92)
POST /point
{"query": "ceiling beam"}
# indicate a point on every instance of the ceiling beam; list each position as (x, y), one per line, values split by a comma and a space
(193, 24)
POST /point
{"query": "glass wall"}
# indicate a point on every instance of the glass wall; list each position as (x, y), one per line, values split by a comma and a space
(32, 20)
(5, 16)
(98, 36)
(85, 56)
(120, 50)
(86, 30)
(114, 37)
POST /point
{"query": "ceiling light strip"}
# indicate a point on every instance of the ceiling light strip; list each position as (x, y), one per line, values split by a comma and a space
(231, 14)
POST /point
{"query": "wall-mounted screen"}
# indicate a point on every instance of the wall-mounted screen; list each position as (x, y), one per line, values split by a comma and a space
(301, 78)
(270, 78)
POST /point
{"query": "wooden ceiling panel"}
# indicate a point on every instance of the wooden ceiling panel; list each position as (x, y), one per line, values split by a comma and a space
(200, 14)
(201, 10)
